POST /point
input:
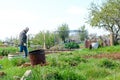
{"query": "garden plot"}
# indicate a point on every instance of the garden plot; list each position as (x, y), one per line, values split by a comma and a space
(112, 56)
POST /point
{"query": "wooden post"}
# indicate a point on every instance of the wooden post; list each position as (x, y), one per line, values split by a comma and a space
(44, 47)
(111, 39)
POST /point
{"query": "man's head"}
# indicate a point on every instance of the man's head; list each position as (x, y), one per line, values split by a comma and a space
(26, 29)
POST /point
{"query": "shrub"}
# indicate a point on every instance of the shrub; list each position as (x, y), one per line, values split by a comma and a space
(71, 45)
(109, 64)
(4, 51)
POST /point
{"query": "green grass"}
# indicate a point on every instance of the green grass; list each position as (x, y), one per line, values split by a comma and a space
(68, 66)
(4, 51)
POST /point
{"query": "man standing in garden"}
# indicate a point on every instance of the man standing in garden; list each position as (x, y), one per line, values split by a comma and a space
(23, 41)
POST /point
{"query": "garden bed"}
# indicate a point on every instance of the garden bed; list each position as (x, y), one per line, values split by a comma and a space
(111, 55)
(58, 51)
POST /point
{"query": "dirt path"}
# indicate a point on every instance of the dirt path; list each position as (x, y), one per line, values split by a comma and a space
(111, 55)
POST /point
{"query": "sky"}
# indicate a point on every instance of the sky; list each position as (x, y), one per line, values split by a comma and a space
(43, 15)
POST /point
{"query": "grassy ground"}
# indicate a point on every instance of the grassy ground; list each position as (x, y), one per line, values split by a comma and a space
(67, 66)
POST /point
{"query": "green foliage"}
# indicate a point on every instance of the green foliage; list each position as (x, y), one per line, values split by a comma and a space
(96, 73)
(5, 63)
(83, 34)
(101, 50)
(53, 76)
(38, 39)
(42, 37)
(107, 63)
(63, 31)
(12, 67)
(49, 39)
(71, 45)
(1, 43)
(4, 51)
(17, 61)
(66, 66)
(106, 16)
(71, 75)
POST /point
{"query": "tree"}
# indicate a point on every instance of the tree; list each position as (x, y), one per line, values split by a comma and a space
(49, 39)
(83, 34)
(63, 31)
(57, 38)
(39, 39)
(106, 16)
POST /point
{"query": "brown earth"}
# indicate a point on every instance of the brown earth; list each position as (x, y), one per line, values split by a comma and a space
(110, 55)
(1, 57)
(2, 73)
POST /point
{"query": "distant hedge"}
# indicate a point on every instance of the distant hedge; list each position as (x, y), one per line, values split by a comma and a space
(4, 51)
(71, 45)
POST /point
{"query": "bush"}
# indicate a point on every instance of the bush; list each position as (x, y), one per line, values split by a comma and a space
(71, 45)
(109, 64)
(4, 51)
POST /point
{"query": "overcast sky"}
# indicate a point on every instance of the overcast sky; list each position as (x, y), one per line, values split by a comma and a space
(41, 15)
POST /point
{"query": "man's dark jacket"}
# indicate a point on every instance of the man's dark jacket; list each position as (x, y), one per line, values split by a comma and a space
(22, 37)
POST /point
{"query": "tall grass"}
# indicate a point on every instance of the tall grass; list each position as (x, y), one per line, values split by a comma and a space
(4, 51)
(67, 66)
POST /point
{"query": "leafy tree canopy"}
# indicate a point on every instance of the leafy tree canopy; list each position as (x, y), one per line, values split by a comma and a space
(63, 31)
(106, 16)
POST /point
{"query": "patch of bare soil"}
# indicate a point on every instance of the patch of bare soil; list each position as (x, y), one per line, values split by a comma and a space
(1, 57)
(57, 51)
(111, 55)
